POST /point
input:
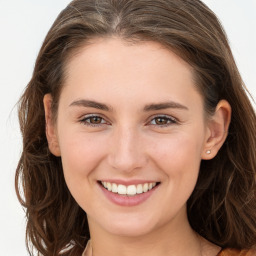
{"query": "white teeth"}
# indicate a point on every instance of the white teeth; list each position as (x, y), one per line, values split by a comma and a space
(145, 187)
(139, 189)
(121, 190)
(130, 190)
(109, 186)
(114, 188)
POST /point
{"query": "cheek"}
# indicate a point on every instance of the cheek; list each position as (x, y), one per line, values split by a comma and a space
(80, 155)
(179, 160)
(178, 148)
(179, 157)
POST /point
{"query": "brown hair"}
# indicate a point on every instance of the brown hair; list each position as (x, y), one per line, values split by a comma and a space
(222, 207)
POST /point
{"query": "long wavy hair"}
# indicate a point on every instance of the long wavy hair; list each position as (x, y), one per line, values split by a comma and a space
(222, 207)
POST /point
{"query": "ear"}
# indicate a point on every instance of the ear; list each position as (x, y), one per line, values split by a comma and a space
(217, 130)
(50, 127)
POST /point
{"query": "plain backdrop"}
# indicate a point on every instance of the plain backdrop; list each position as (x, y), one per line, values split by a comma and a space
(23, 26)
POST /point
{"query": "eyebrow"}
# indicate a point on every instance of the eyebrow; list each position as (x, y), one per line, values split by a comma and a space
(90, 104)
(149, 107)
(164, 105)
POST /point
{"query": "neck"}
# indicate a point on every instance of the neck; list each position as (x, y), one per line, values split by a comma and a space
(166, 240)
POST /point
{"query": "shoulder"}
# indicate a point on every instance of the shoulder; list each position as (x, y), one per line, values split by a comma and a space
(235, 252)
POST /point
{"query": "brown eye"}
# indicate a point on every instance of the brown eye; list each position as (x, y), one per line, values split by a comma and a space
(95, 120)
(163, 121)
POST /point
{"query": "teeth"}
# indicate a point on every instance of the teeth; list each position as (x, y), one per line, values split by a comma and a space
(114, 188)
(145, 187)
(139, 189)
(130, 190)
(109, 186)
(121, 190)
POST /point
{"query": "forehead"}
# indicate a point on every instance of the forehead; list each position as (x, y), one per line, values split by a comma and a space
(115, 50)
(113, 67)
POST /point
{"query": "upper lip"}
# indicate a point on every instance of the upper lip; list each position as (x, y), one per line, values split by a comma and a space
(128, 182)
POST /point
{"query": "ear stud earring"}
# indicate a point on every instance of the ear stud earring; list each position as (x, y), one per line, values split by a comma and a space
(208, 152)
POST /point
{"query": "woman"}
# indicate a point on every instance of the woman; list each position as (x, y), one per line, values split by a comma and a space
(139, 137)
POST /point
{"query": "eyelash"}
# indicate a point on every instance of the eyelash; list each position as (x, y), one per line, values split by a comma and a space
(170, 120)
(88, 117)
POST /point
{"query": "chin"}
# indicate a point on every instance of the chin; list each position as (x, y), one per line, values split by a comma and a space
(129, 230)
(130, 227)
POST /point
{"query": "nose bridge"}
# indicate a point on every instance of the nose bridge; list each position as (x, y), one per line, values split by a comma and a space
(126, 153)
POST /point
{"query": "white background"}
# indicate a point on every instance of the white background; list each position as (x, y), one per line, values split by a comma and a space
(23, 26)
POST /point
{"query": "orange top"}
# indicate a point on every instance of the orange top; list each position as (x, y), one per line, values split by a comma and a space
(223, 252)
(234, 252)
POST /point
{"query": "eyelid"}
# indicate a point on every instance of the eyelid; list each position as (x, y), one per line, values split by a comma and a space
(172, 120)
(87, 116)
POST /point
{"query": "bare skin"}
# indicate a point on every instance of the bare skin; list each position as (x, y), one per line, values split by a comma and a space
(131, 113)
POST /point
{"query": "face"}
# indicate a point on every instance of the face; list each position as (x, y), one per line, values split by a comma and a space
(131, 133)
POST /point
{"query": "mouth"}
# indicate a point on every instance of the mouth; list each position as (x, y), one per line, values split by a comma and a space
(130, 190)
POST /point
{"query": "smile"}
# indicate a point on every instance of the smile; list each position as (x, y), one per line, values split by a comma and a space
(130, 190)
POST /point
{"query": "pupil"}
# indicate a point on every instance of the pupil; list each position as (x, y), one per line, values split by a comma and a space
(95, 120)
(160, 121)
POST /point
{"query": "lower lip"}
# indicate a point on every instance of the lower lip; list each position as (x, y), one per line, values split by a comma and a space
(124, 200)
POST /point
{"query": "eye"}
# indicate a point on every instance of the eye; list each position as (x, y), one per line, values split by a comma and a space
(93, 120)
(163, 120)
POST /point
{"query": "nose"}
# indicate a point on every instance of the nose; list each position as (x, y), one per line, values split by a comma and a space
(126, 150)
